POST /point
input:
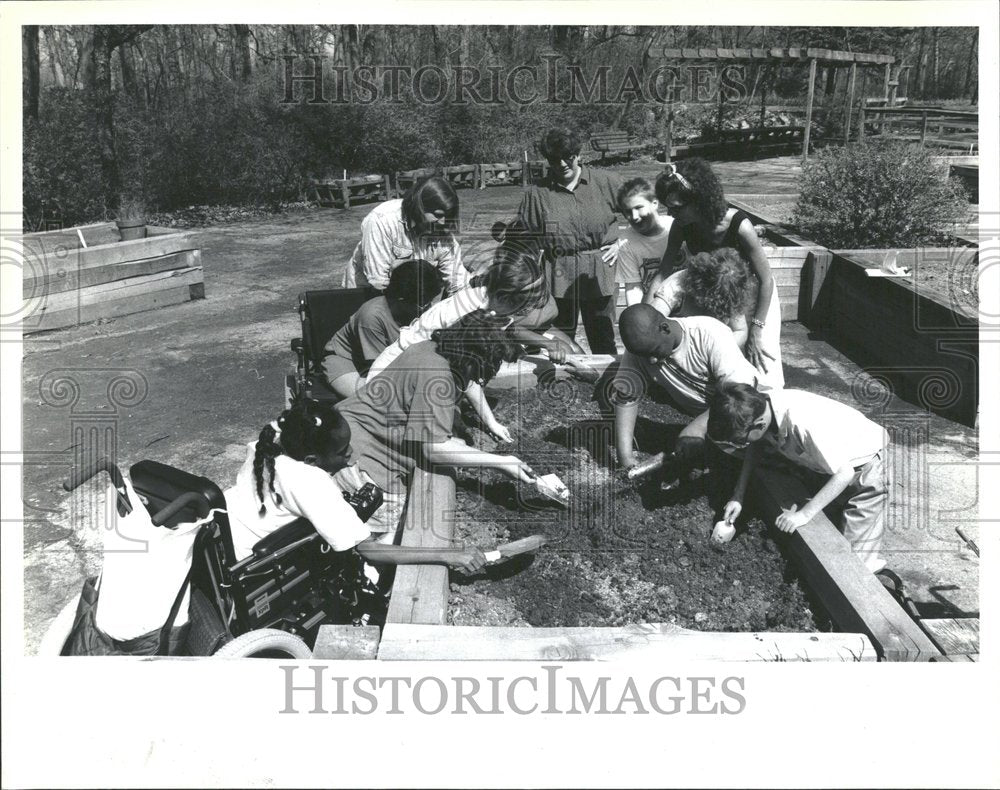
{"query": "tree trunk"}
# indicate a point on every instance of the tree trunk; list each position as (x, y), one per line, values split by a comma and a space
(970, 70)
(918, 77)
(30, 71)
(242, 35)
(935, 55)
(104, 110)
(128, 73)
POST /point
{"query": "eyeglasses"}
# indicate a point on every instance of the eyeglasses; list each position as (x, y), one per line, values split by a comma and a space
(555, 160)
(670, 172)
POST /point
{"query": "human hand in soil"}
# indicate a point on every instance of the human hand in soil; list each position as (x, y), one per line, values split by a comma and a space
(582, 371)
(754, 349)
(468, 560)
(732, 511)
(499, 432)
(791, 519)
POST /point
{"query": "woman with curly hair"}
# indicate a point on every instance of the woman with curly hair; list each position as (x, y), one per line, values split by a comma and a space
(703, 222)
(717, 284)
(407, 413)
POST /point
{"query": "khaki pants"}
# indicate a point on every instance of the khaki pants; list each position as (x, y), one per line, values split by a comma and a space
(867, 502)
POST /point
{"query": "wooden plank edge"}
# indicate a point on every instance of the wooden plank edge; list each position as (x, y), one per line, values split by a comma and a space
(420, 592)
(410, 642)
(851, 594)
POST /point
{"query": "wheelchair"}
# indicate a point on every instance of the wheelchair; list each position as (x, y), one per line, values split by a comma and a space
(269, 604)
(322, 314)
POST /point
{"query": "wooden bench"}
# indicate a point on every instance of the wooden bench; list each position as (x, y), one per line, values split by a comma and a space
(341, 192)
(613, 143)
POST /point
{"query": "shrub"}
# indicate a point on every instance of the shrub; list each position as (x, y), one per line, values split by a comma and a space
(878, 195)
(62, 175)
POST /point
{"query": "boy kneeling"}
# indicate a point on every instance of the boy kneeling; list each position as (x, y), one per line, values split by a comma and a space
(821, 435)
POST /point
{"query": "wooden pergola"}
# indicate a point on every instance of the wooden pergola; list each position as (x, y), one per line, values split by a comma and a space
(786, 56)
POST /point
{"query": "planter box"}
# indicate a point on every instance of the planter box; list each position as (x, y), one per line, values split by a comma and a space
(415, 627)
(66, 282)
(923, 346)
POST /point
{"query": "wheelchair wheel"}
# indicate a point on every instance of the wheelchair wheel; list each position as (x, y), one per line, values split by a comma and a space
(265, 643)
(58, 631)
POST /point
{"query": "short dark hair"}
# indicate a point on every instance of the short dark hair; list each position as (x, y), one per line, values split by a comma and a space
(560, 143)
(633, 187)
(415, 282)
(732, 410)
(705, 193)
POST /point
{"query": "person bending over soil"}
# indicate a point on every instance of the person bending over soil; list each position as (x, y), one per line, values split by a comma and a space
(413, 286)
(717, 284)
(298, 468)
(421, 224)
(406, 414)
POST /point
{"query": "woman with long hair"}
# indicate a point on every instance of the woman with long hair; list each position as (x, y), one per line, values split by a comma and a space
(422, 224)
(703, 222)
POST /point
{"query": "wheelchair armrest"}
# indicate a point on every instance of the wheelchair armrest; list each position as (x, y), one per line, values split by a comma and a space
(290, 533)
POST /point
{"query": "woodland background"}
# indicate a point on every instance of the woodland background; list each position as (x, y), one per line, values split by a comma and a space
(171, 116)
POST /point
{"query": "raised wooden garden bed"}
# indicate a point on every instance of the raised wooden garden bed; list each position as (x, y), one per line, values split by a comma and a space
(919, 335)
(342, 192)
(67, 281)
(416, 627)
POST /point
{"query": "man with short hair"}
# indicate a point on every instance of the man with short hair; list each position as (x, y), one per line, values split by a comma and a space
(686, 357)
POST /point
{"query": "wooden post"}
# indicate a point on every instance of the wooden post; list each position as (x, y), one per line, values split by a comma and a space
(885, 87)
(850, 102)
(345, 194)
(861, 125)
(387, 185)
(923, 128)
(809, 109)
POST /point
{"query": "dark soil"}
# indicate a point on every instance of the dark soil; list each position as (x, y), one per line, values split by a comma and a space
(619, 554)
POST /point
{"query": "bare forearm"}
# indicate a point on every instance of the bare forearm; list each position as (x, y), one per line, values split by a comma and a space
(475, 395)
(384, 554)
(455, 452)
(833, 488)
(625, 417)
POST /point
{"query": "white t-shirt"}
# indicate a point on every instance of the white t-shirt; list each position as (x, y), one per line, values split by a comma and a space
(385, 244)
(822, 434)
(706, 355)
(306, 492)
(639, 259)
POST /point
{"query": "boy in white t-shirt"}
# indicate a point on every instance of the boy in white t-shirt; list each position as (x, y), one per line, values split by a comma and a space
(642, 245)
(822, 435)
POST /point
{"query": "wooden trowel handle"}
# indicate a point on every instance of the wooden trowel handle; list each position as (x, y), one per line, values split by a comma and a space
(530, 543)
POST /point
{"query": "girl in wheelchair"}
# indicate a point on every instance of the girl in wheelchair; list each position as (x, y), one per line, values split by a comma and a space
(298, 468)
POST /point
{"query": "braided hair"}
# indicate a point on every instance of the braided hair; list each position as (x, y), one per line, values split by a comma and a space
(308, 428)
